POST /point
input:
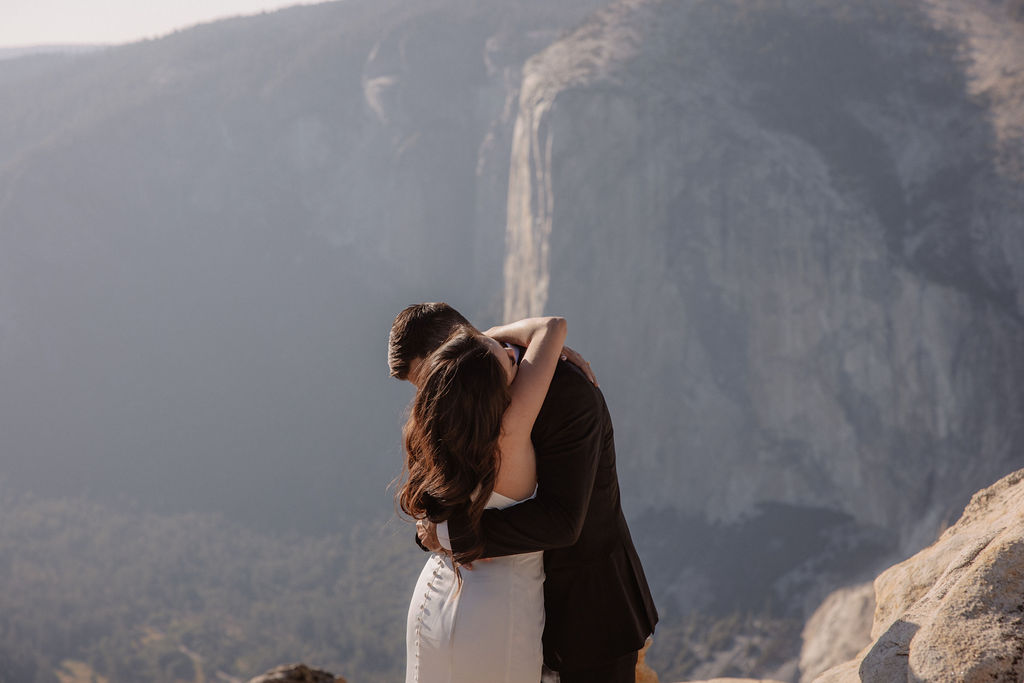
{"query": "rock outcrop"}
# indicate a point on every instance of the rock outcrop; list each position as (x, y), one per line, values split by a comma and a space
(297, 673)
(955, 610)
(838, 630)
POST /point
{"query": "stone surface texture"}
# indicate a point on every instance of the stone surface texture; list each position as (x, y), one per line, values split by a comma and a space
(297, 673)
(955, 610)
(838, 630)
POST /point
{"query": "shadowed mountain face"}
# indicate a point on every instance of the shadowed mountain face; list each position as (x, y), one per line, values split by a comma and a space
(203, 240)
(796, 229)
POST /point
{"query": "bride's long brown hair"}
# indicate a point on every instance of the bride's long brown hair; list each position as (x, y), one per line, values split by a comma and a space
(451, 436)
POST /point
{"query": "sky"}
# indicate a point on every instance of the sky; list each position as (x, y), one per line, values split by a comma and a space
(47, 22)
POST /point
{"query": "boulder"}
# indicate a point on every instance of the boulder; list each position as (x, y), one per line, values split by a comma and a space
(955, 610)
(297, 673)
(837, 630)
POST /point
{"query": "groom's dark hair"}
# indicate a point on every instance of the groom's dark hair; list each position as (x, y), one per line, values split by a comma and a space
(418, 331)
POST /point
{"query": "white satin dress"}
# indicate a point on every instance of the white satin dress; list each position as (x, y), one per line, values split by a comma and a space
(489, 631)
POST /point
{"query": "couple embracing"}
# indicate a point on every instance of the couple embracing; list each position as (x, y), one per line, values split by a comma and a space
(510, 472)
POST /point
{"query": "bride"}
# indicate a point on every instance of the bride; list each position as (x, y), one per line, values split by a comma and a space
(468, 448)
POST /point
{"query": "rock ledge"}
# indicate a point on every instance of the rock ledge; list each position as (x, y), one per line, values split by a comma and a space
(955, 610)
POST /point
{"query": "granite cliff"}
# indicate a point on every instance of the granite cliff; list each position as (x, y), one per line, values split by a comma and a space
(797, 229)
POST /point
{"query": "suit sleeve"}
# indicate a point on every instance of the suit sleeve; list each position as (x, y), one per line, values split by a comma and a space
(568, 446)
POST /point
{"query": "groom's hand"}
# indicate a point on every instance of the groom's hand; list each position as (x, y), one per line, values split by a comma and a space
(579, 361)
(426, 531)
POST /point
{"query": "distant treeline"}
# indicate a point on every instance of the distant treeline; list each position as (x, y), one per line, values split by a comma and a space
(139, 597)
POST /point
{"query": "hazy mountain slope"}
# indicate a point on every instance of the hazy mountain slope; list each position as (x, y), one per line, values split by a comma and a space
(203, 240)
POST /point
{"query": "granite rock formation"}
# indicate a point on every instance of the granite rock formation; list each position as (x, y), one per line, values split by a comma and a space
(797, 229)
(955, 610)
(837, 630)
(806, 222)
(297, 673)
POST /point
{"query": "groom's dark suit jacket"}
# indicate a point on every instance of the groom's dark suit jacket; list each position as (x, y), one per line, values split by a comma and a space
(596, 599)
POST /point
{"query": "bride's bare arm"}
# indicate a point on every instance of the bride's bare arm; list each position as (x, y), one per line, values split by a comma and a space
(513, 333)
(543, 339)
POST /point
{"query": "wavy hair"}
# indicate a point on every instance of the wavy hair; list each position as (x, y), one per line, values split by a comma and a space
(451, 436)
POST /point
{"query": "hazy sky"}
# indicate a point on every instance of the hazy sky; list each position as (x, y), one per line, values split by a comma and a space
(40, 22)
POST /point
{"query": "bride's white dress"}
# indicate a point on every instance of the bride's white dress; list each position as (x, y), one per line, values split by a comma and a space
(489, 631)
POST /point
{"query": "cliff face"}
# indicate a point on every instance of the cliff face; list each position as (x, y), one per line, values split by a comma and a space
(797, 231)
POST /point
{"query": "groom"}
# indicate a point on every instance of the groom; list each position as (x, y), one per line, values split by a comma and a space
(598, 608)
